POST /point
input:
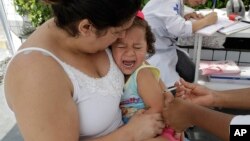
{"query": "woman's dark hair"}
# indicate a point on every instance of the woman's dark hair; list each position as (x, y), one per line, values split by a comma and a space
(101, 13)
(150, 38)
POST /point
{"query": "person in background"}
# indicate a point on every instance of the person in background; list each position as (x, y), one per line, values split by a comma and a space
(189, 110)
(63, 84)
(143, 88)
(168, 22)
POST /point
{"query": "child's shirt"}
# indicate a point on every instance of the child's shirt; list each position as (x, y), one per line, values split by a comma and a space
(131, 100)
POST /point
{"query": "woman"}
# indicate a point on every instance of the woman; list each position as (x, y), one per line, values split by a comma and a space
(63, 82)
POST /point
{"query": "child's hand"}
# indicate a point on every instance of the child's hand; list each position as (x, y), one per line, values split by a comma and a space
(179, 136)
(171, 135)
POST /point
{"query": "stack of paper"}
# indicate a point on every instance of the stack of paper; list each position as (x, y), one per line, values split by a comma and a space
(243, 77)
(234, 28)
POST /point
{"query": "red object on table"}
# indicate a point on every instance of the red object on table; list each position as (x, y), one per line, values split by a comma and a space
(234, 17)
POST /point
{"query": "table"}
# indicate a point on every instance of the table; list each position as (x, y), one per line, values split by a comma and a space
(198, 45)
(203, 80)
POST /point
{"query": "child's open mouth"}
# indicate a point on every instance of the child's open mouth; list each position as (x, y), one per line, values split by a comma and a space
(128, 64)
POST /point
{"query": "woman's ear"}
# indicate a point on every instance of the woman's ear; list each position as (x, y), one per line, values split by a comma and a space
(85, 27)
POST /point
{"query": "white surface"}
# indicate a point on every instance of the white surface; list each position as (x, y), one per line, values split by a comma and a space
(239, 26)
(241, 34)
(241, 120)
(220, 86)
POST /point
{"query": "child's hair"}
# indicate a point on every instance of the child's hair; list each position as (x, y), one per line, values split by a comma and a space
(139, 21)
(101, 13)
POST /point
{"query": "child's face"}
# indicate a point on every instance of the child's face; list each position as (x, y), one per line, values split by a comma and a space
(130, 51)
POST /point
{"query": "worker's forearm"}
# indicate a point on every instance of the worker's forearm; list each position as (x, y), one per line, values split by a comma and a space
(199, 24)
(238, 98)
(214, 122)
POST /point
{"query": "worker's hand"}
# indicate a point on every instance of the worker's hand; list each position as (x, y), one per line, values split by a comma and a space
(195, 93)
(194, 16)
(176, 114)
(211, 18)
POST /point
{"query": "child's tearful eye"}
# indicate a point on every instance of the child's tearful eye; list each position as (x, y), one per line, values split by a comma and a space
(137, 47)
(120, 46)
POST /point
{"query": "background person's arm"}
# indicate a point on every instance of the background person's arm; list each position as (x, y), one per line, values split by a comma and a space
(209, 19)
(193, 15)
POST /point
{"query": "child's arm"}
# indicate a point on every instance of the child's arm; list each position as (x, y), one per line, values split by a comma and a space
(150, 91)
(162, 85)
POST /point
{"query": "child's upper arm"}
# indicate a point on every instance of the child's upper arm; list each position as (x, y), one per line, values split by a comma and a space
(150, 90)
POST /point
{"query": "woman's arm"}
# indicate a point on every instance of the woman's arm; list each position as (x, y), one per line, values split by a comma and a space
(135, 129)
(39, 93)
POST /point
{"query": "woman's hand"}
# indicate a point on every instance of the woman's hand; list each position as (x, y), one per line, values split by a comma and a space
(145, 126)
(195, 93)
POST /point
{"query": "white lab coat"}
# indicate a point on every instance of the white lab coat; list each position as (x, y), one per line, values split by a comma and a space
(164, 17)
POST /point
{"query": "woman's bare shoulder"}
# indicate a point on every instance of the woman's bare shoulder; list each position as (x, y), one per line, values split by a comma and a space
(39, 93)
(32, 63)
(36, 73)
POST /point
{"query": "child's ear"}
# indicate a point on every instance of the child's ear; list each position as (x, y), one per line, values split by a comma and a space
(85, 27)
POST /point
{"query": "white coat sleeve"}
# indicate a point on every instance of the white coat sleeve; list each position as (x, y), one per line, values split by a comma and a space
(174, 23)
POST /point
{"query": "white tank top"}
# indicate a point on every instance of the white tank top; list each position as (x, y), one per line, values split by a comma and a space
(97, 99)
